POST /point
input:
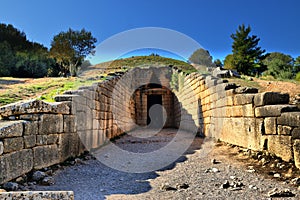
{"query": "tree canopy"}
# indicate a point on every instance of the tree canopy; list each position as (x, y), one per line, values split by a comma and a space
(201, 57)
(218, 63)
(70, 48)
(279, 65)
(20, 57)
(228, 62)
(246, 54)
(297, 64)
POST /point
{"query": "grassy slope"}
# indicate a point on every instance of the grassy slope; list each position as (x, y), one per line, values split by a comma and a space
(136, 61)
(12, 89)
(16, 89)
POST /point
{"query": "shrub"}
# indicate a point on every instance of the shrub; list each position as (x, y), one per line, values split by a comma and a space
(298, 76)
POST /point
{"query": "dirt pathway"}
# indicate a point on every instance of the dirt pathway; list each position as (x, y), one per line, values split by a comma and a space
(205, 171)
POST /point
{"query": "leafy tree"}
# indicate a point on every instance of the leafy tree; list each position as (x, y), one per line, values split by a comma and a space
(7, 59)
(246, 52)
(228, 62)
(202, 57)
(297, 65)
(218, 63)
(297, 76)
(32, 65)
(70, 48)
(20, 57)
(279, 65)
(16, 39)
(85, 64)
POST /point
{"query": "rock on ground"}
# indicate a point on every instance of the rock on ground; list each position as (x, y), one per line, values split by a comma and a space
(192, 176)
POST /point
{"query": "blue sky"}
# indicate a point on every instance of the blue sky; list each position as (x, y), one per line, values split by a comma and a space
(209, 22)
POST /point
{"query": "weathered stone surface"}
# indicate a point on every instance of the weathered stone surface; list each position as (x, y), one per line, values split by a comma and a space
(11, 129)
(31, 128)
(48, 181)
(240, 111)
(296, 133)
(15, 164)
(11, 186)
(289, 119)
(38, 175)
(276, 193)
(296, 148)
(51, 124)
(245, 133)
(281, 146)
(225, 86)
(70, 124)
(13, 144)
(68, 145)
(46, 139)
(274, 110)
(33, 106)
(81, 121)
(270, 126)
(41, 195)
(242, 90)
(1, 148)
(45, 156)
(271, 98)
(241, 99)
(284, 130)
(30, 117)
(29, 141)
(65, 97)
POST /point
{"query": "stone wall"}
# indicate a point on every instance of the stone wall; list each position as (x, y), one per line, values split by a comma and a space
(35, 134)
(241, 116)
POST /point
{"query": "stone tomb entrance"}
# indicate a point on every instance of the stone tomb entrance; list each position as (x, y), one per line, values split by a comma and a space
(154, 110)
(154, 106)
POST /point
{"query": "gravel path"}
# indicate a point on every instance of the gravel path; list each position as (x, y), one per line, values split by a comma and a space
(205, 171)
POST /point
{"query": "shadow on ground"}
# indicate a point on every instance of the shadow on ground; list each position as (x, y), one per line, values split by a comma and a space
(94, 180)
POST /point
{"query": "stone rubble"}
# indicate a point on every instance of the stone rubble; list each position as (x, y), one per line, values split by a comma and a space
(280, 193)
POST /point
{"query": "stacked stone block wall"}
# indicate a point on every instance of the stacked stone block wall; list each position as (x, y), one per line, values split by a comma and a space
(241, 116)
(35, 134)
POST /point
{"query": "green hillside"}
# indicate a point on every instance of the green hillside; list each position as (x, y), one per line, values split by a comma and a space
(136, 61)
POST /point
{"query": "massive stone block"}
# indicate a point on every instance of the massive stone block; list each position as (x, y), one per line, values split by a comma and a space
(1, 148)
(296, 133)
(271, 98)
(46, 139)
(245, 132)
(13, 144)
(31, 128)
(70, 124)
(29, 141)
(15, 164)
(68, 146)
(33, 106)
(284, 130)
(242, 99)
(296, 147)
(45, 156)
(281, 146)
(11, 129)
(270, 126)
(243, 90)
(51, 124)
(274, 110)
(289, 119)
(30, 117)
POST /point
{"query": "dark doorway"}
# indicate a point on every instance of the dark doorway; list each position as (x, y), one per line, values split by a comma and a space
(155, 118)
